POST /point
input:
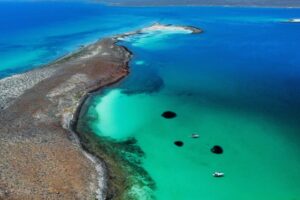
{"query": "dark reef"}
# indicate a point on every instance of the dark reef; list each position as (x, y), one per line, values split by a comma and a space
(179, 143)
(217, 149)
(169, 115)
(144, 80)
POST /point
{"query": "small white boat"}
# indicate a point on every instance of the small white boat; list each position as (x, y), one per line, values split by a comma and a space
(218, 174)
(195, 135)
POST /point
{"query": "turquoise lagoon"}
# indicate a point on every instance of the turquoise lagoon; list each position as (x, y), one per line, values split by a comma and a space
(236, 85)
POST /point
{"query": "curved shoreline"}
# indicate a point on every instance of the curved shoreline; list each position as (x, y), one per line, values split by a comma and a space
(38, 124)
(39, 151)
(100, 164)
(115, 193)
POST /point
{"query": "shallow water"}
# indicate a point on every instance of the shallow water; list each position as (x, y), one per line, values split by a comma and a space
(236, 85)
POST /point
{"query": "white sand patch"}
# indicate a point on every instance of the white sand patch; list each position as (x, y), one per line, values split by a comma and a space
(296, 20)
(164, 28)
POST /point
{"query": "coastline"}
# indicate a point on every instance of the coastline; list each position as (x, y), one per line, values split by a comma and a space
(36, 119)
(100, 164)
(41, 118)
(117, 176)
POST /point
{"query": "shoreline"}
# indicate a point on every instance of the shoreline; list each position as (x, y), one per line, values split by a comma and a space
(102, 170)
(116, 187)
(39, 124)
(36, 119)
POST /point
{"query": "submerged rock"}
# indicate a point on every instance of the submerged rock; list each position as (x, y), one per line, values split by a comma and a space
(217, 149)
(178, 143)
(143, 80)
(169, 115)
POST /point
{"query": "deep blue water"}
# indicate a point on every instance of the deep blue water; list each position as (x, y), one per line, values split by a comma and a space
(34, 33)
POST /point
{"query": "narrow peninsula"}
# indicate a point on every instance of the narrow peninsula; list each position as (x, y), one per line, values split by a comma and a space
(42, 154)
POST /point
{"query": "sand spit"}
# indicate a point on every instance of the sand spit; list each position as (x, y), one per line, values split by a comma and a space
(296, 20)
(157, 27)
(170, 28)
(41, 157)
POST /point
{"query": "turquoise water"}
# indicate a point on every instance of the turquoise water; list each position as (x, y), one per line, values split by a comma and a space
(35, 33)
(236, 85)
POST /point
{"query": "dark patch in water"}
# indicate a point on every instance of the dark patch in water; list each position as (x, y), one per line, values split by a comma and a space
(179, 143)
(169, 115)
(145, 80)
(217, 149)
